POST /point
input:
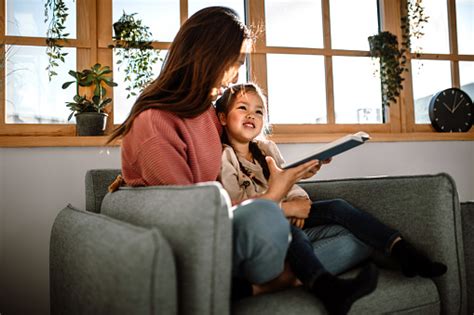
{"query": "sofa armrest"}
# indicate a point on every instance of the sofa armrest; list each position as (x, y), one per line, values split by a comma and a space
(467, 210)
(99, 265)
(196, 222)
(426, 210)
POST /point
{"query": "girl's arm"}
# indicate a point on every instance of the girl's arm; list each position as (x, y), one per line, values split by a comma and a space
(296, 208)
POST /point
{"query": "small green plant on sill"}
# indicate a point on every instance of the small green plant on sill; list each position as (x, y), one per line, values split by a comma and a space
(135, 52)
(97, 77)
(55, 33)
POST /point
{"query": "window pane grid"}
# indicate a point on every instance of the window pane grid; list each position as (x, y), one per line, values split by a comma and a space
(328, 83)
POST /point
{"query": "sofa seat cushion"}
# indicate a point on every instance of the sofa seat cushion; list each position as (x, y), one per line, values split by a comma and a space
(394, 294)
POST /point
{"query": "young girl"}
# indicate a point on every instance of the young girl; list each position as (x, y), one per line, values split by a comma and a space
(245, 174)
(241, 110)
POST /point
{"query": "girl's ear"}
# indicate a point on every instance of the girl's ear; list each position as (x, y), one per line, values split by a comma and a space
(222, 118)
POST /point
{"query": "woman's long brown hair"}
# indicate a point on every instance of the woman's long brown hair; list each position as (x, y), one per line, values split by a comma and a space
(206, 45)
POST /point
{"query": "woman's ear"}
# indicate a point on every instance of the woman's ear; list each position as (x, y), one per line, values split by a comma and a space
(222, 118)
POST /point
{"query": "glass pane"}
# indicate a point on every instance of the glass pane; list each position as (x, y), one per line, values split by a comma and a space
(429, 77)
(26, 18)
(357, 96)
(362, 25)
(436, 32)
(465, 26)
(294, 23)
(30, 97)
(296, 89)
(122, 104)
(162, 17)
(237, 5)
(466, 73)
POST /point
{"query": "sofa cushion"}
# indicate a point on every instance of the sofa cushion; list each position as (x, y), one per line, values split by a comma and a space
(395, 294)
(99, 265)
(196, 222)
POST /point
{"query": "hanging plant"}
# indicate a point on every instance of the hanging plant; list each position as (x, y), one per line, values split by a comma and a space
(393, 59)
(412, 25)
(385, 47)
(55, 33)
(136, 55)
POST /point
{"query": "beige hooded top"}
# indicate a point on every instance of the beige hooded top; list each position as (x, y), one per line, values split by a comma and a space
(240, 186)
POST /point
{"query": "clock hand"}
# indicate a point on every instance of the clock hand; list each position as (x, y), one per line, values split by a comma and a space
(454, 102)
(457, 105)
(447, 107)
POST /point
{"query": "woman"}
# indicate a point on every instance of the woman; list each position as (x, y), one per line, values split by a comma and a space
(172, 137)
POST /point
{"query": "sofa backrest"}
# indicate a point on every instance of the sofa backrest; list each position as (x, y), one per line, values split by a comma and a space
(97, 183)
(425, 209)
(467, 210)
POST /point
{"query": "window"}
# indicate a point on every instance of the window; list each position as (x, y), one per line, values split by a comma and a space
(317, 69)
(442, 63)
(312, 59)
(29, 96)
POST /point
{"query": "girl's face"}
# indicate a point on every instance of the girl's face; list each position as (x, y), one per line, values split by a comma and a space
(244, 120)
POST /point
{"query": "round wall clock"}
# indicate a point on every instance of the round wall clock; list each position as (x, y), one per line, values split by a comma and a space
(451, 110)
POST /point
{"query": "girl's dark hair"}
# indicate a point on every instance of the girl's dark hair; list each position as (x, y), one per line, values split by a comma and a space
(223, 105)
(206, 45)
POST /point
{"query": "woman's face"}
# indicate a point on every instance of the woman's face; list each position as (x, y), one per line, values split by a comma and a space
(231, 76)
(244, 120)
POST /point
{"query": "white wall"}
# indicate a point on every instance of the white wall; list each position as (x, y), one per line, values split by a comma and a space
(400, 158)
(36, 183)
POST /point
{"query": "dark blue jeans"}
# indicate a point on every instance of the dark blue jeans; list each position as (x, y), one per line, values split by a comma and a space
(360, 223)
(302, 254)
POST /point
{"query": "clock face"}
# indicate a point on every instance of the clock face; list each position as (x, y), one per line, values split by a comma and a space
(451, 110)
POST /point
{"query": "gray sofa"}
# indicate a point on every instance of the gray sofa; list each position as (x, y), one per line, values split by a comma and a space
(167, 250)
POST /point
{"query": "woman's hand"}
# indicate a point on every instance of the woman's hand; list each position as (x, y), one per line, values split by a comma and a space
(296, 208)
(281, 181)
(314, 170)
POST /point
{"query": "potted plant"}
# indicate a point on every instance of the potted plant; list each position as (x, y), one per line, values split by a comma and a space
(135, 52)
(90, 113)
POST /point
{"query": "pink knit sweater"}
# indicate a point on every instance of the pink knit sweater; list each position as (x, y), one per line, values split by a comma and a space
(164, 149)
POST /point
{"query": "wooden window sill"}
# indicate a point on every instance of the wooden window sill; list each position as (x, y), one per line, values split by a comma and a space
(53, 141)
(74, 141)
